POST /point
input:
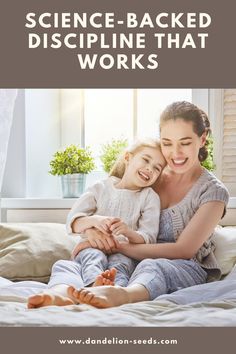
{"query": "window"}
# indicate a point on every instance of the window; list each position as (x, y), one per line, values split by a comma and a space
(150, 104)
(108, 114)
(124, 113)
(55, 118)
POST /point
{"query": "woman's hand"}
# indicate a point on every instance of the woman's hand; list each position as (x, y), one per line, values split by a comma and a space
(98, 239)
(108, 246)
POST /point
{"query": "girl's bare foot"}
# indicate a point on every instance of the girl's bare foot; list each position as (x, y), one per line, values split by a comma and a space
(41, 300)
(106, 278)
(100, 296)
(56, 296)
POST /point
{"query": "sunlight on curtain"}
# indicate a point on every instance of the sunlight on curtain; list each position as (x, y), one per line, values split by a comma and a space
(7, 101)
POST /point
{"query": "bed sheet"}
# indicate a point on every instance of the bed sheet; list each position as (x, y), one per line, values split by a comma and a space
(212, 304)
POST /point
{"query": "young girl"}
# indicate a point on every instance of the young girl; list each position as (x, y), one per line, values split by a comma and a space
(122, 207)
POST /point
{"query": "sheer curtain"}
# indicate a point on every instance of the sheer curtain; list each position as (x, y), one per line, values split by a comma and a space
(7, 102)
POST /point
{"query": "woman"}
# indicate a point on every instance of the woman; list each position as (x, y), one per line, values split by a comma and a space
(192, 203)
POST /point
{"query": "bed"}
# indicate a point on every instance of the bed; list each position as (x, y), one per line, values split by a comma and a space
(28, 250)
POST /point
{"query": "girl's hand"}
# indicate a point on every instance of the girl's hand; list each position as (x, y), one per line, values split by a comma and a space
(103, 223)
(100, 240)
(118, 227)
(81, 246)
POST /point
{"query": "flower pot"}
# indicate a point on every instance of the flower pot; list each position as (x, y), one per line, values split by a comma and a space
(73, 185)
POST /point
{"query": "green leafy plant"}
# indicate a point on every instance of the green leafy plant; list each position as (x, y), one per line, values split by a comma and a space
(209, 162)
(73, 159)
(111, 151)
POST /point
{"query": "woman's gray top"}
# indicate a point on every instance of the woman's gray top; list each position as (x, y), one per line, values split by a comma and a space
(173, 220)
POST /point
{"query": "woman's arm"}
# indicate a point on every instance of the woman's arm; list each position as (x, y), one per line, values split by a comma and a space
(198, 230)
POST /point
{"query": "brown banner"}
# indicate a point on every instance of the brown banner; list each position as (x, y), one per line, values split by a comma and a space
(126, 43)
(117, 340)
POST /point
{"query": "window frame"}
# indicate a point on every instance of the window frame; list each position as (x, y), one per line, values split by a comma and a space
(211, 100)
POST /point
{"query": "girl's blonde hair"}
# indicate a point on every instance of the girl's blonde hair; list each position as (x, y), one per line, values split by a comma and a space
(119, 166)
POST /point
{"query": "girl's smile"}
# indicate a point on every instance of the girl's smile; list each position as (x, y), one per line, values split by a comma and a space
(144, 175)
(142, 168)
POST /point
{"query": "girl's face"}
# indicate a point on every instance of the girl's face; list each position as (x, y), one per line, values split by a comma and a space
(144, 167)
(180, 145)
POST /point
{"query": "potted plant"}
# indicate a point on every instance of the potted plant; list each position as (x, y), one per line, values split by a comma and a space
(111, 151)
(72, 164)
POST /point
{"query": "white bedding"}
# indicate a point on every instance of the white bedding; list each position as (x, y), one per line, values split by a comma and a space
(212, 304)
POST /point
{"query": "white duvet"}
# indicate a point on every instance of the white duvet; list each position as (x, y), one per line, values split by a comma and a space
(212, 304)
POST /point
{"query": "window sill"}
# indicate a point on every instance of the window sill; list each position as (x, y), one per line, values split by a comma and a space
(56, 203)
(56, 210)
(37, 203)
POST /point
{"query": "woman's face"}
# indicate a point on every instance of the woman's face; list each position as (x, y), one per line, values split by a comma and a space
(180, 145)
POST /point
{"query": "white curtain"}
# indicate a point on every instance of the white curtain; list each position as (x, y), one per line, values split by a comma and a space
(7, 102)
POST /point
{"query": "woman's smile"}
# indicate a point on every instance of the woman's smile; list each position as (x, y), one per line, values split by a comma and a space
(179, 162)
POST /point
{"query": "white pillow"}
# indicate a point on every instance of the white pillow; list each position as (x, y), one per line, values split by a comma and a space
(28, 250)
(231, 275)
(225, 240)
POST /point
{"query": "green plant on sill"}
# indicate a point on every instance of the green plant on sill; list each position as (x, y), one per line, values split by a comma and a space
(209, 163)
(111, 151)
(73, 159)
